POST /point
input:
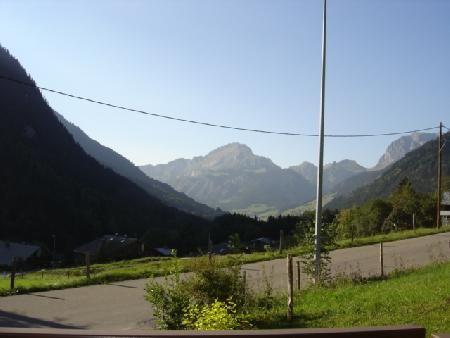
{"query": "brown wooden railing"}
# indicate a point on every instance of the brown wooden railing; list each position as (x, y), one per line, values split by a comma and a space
(367, 332)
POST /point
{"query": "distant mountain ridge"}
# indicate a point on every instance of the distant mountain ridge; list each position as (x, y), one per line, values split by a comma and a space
(124, 167)
(333, 173)
(232, 177)
(400, 147)
(419, 166)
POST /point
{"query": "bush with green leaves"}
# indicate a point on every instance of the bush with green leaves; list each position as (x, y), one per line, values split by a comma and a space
(306, 238)
(208, 284)
(216, 316)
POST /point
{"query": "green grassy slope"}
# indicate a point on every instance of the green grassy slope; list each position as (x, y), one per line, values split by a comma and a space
(420, 297)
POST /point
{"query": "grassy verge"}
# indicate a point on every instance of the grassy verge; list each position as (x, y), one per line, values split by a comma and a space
(419, 297)
(152, 267)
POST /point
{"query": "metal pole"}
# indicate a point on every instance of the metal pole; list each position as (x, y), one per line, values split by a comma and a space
(321, 141)
(439, 178)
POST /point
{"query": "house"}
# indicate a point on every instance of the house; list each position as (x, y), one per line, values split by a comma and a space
(109, 247)
(163, 252)
(221, 248)
(261, 243)
(25, 254)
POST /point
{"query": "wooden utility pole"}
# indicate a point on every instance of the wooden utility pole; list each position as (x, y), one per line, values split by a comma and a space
(439, 178)
(381, 260)
(13, 272)
(298, 274)
(290, 289)
(318, 222)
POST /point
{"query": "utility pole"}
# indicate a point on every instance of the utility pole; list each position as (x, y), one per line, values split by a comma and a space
(439, 178)
(321, 141)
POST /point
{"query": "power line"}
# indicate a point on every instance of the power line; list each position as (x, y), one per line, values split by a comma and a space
(208, 124)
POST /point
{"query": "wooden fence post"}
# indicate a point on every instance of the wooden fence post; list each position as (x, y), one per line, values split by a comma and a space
(281, 241)
(290, 303)
(381, 260)
(13, 272)
(298, 274)
(88, 265)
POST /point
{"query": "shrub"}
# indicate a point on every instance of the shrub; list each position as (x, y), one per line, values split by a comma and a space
(178, 302)
(216, 316)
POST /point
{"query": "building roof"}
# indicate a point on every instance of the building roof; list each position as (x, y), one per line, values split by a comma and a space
(108, 242)
(9, 250)
(164, 251)
(264, 240)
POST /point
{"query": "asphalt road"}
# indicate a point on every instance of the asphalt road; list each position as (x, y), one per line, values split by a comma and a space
(121, 305)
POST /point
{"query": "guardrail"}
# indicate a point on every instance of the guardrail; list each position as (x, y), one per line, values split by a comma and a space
(364, 332)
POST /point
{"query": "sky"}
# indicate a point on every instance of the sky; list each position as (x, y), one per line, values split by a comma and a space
(253, 64)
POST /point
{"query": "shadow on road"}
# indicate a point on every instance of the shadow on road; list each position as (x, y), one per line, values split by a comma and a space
(124, 286)
(50, 297)
(10, 319)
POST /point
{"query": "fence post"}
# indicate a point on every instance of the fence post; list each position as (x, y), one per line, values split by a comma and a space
(88, 265)
(381, 260)
(298, 274)
(290, 304)
(281, 241)
(13, 272)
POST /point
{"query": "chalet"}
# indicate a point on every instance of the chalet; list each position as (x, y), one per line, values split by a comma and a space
(25, 254)
(109, 247)
(261, 243)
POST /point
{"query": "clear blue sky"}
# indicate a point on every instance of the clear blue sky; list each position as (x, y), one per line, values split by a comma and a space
(252, 63)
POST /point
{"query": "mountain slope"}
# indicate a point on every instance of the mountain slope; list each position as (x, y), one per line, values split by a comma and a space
(232, 177)
(419, 166)
(124, 167)
(333, 173)
(399, 148)
(50, 186)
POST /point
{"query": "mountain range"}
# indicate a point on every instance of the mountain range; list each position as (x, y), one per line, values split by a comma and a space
(418, 165)
(233, 178)
(122, 166)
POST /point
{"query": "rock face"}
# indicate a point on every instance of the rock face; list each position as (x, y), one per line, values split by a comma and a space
(162, 191)
(232, 177)
(418, 165)
(333, 173)
(399, 148)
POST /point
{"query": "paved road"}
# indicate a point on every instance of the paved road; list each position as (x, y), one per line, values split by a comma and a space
(122, 305)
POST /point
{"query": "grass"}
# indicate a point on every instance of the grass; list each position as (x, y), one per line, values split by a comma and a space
(153, 267)
(420, 297)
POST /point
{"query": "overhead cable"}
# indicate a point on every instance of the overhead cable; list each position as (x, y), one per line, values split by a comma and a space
(208, 124)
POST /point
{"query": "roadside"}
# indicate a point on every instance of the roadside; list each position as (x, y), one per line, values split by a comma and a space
(121, 305)
(152, 267)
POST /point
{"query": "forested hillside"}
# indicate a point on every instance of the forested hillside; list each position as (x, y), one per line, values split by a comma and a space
(124, 167)
(419, 166)
(50, 186)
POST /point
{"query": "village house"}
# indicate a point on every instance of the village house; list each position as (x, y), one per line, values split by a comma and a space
(26, 255)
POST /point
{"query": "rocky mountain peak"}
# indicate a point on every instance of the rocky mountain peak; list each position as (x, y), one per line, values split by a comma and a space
(399, 148)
